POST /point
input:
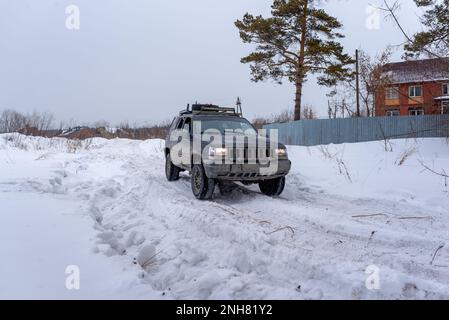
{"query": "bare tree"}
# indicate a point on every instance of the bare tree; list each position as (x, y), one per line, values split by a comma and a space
(41, 122)
(372, 77)
(35, 123)
(12, 121)
(284, 116)
(308, 113)
(101, 124)
(341, 103)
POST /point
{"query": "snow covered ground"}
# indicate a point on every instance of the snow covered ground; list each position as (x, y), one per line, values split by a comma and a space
(106, 207)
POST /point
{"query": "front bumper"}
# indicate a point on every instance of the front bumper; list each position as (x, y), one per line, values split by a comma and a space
(247, 172)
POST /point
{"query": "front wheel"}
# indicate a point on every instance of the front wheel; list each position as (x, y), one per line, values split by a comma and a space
(202, 187)
(171, 171)
(273, 187)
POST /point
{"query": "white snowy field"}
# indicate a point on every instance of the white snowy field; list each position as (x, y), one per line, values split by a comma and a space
(345, 208)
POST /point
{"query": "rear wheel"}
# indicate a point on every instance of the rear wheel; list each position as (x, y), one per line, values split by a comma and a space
(171, 171)
(202, 187)
(273, 187)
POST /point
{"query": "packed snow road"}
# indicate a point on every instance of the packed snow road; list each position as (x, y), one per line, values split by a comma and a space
(106, 207)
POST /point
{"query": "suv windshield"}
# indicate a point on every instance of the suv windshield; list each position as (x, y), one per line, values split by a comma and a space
(227, 124)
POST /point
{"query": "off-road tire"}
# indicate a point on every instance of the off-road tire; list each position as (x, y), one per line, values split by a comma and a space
(273, 187)
(202, 187)
(171, 171)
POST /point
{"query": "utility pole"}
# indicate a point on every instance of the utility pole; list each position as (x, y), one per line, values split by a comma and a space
(357, 84)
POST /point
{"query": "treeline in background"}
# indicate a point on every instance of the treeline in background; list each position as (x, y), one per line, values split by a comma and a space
(44, 124)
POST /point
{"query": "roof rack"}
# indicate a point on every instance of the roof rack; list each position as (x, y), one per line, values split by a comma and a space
(210, 109)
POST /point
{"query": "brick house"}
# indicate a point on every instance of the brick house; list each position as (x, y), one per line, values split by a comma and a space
(414, 88)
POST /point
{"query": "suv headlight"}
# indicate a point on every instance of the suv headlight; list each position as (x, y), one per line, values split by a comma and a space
(281, 152)
(217, 152)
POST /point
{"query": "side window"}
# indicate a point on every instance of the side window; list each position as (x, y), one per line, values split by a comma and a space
(174, 123)
(180, 124)
(187, 125)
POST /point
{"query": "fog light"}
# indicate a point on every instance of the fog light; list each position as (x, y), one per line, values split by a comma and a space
(217, 152)
(281, 152)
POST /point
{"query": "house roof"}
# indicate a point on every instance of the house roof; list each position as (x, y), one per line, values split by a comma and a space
(417, 71)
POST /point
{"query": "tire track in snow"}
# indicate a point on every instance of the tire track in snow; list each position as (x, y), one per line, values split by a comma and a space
(220, 249)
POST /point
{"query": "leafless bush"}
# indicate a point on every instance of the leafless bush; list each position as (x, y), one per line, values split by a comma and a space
(15, 140)
(284, 116)
(308, 113)
(259, 122)
(388, 145)
(156, 131)
(343, 168)
(75, 145)
(442, 174)
(405, 155)
(338, 158)
(325, 152)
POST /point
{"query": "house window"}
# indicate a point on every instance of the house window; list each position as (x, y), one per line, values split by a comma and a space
(415, 91)
(392, 93)
(416, 112)
(445, 107)
(445, 89)
(393, 113)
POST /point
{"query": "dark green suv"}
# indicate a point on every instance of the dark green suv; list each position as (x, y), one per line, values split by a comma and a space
(218, 146)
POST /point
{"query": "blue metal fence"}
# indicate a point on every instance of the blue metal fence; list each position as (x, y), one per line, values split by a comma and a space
(353, 130)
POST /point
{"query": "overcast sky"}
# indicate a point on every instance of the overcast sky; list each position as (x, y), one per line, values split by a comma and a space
(143, 60)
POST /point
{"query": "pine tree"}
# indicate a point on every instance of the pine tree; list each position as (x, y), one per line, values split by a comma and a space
(299, 39)
(434, 40)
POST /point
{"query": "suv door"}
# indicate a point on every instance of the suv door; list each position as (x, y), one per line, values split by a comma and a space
(168, 143)
(187, 126)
